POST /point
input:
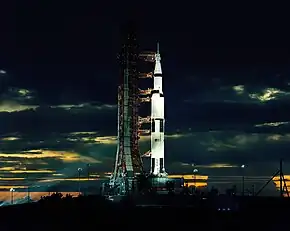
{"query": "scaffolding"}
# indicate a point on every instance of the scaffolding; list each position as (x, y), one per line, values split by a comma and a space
(145, 95)
(128, 163)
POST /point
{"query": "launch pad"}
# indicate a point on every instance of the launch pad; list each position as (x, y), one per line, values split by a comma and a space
(159, 183)
(128, 167)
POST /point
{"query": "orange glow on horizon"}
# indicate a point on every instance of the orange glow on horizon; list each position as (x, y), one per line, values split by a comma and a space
(189, 177)
(196, 184)
(6, 196)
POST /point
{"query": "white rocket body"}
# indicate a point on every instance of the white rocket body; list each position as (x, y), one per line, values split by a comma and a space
(157, 120)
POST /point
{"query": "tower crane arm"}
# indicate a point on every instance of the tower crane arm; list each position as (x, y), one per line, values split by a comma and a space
(146, 75)
(146, 119)
(145, 100)
(145, 92)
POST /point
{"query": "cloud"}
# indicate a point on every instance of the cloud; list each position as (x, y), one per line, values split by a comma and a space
(240, 94)
(232, 148)
(17, 99)
(20, 99)
(216, 165)
(263, 95)
(218, 129)
(64, 156)
(12, 106)
(58, 119)
(68, 139)
(10, 138)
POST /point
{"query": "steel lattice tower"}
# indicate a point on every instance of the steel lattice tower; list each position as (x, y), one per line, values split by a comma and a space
(128, 162)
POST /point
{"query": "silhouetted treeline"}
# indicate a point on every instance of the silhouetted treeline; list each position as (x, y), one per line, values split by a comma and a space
(63, 212)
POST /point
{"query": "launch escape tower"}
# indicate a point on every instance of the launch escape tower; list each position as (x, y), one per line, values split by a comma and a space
(128, 162)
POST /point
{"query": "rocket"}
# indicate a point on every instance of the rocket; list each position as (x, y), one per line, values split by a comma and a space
(157, 120)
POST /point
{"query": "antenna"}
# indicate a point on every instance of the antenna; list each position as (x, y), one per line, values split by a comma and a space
(281, 180)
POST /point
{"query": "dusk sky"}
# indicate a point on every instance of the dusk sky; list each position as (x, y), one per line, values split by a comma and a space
(226, 87)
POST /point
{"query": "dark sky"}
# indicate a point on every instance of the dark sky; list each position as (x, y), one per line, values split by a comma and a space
(226, 77)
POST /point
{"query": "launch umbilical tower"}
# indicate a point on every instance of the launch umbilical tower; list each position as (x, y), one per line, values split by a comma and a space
(128, 161)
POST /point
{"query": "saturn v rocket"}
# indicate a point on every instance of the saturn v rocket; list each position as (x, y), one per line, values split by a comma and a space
(157, 120)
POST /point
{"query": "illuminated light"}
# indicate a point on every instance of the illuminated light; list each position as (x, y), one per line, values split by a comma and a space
(94, 175)
(2, 72)
(196, 184)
